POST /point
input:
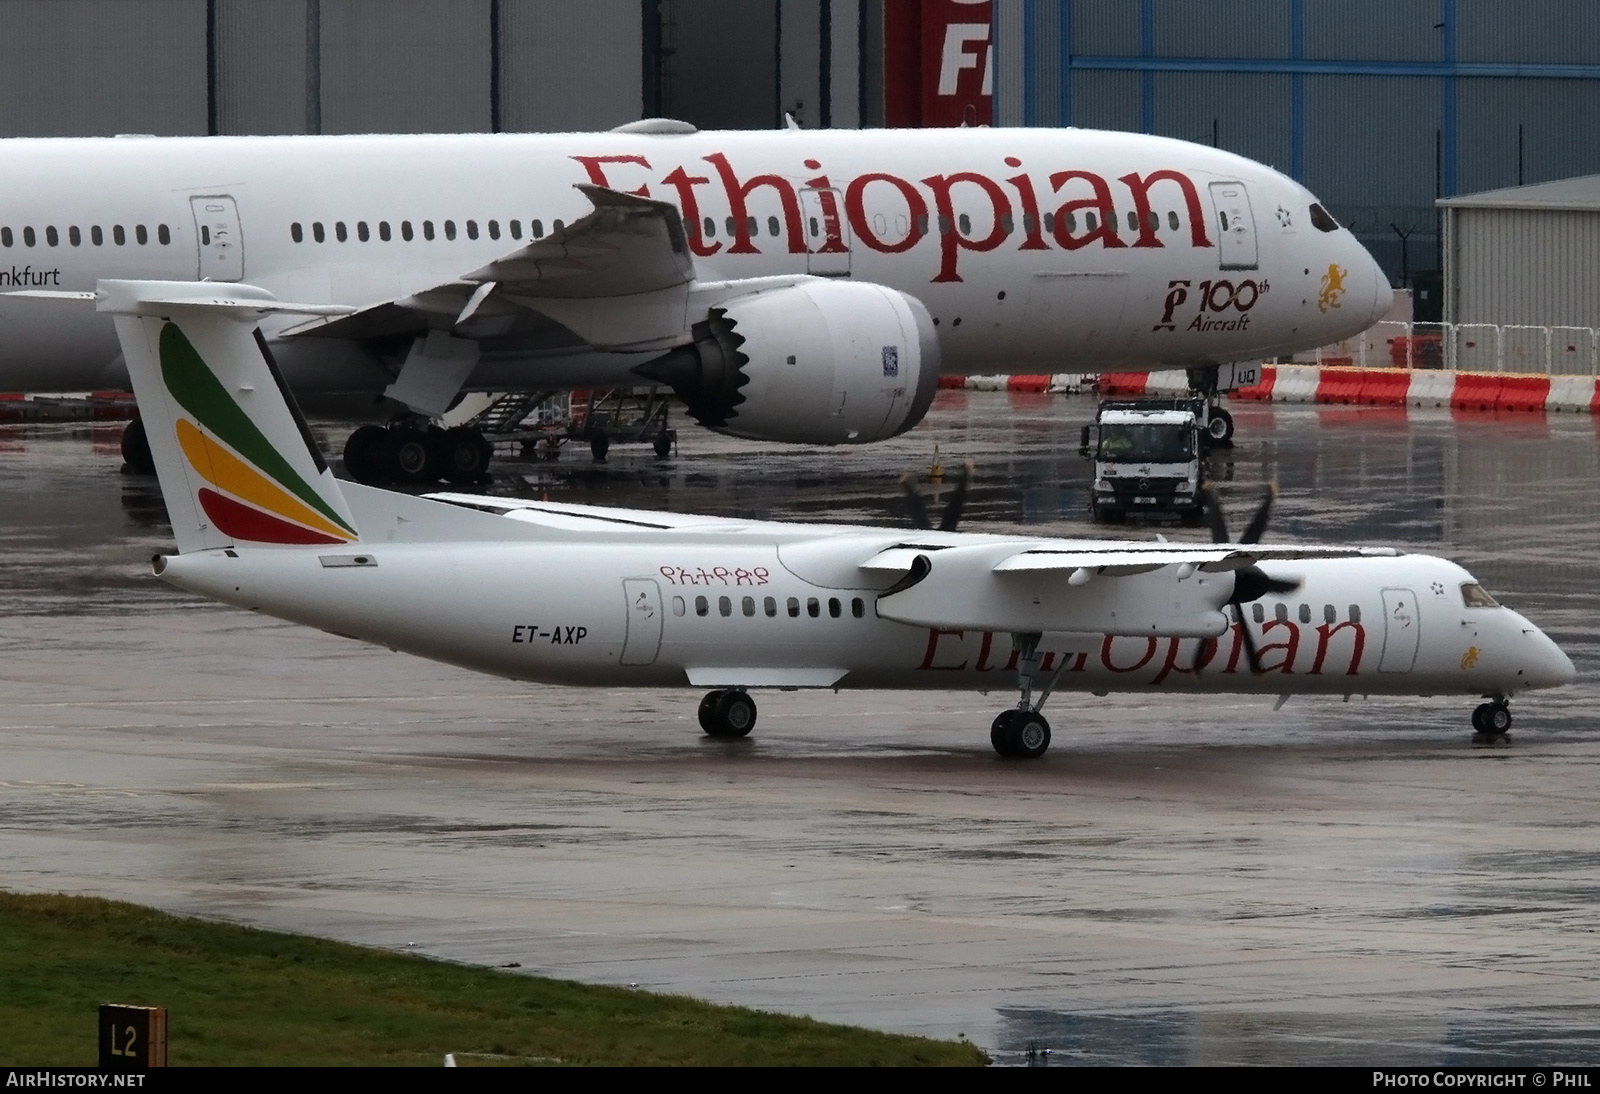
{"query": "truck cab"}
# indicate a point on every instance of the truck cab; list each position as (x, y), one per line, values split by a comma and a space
(1147, 458)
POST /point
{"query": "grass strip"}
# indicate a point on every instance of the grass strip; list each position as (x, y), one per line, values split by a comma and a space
(241, 996)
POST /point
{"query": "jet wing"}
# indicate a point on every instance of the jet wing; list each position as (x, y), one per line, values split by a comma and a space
(629, 250)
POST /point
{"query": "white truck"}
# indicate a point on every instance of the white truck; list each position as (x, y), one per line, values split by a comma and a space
(1148, 457)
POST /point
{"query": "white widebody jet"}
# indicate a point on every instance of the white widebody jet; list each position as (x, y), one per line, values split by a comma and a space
(596, 597)
(804, 286)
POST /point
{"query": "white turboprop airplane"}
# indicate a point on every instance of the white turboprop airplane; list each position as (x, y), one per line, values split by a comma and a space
(804, 286)
(595, 597)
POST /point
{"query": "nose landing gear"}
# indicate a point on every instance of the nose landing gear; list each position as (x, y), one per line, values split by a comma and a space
(1491, 723)
(1022, 733)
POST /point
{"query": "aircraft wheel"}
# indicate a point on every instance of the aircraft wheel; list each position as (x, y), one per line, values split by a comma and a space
(364, 454)
(1220, 427)
(136, 448)
(599, 445)
(1498, 720)
(412, 458)
(1000, 733)
(464, 454)
(708, 712)
(663, 445)
(736, 714)
(1479, 715)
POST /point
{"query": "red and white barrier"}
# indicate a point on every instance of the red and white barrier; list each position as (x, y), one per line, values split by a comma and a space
(1334, 384)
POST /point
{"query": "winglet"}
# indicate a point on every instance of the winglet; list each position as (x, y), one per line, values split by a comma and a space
(236, 461)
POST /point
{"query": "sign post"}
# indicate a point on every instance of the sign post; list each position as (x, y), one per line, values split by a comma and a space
(132, 1038)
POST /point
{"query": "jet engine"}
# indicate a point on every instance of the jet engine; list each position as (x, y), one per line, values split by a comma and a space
(818, 362)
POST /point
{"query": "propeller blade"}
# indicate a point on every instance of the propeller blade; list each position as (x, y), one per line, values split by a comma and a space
(958, 501)
(1253, 583)
(919, 510)
(1214, 515)
(1258, 523)
(1250, 653)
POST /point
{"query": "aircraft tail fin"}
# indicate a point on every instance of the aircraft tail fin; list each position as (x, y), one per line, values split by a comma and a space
(236, 461)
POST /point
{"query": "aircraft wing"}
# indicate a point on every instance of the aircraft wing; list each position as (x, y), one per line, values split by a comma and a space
(1150, 589)
(630, 251)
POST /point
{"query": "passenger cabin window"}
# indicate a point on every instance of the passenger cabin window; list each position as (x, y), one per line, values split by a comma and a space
(163, 235)
(1305, 613)
(1258, 613)
(383, 230)
(6, 238)
(450, 229)
(858, 607)
(725, 605)
(678, 607)
(361, 231)
(749, 606)
(28, 237)
(834, 608)
(205, 235)
(770, 606)
(472, 229)
(1355, 613)
(405, 230)
(772, 227)
(141, 235)
(1172, 220)
(537, 228)
(813, 607)
(964, 220)
(74, 236)
(51, 237)
(701, 606)
(427, 230)
(338, 231)
(494, 229)
(316, 231)
(794, 607)
(1321, 221)
(556, 225)
(710, 227)
(118, 236)
(1050, 222)
(1474, 595)
(1330, 614)
(516, 229)
(296, 233)
(1280, 612)
(95, 236)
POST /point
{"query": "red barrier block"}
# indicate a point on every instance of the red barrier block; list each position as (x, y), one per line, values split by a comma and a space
(1262, 390)
(1385, 386)
(1123, 383)
(1476, 391)
(1339, 385)
(1028, 383)
(1523, 393)
(952, 381)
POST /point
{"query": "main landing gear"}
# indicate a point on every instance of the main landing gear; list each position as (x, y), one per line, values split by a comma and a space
(1022, 733)
(409, 452)
(727, 712)
(1491, 723)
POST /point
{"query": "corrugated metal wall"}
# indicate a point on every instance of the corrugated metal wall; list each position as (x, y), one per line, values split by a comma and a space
(100, 67)
(551, 75)
(1372, 30)
(1524, 266)
(1239, 28)
(261, 66)
(1558, 120)
(415, 66)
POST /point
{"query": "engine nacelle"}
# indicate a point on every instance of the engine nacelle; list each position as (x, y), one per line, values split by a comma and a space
(818, 362)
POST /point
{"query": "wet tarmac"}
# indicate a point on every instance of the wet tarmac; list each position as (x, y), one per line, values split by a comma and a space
(1176, 882)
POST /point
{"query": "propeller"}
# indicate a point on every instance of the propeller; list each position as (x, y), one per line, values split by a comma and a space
(1249, 582)
(952, 510)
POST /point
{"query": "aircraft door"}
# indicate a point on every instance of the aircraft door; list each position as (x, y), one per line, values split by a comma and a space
(643, 638)
(216, 228)
(827, 234)
(1401, 629)
(1236, 226)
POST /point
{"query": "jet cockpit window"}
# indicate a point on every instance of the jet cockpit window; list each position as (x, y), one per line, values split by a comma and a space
(1321, 220)
(1474, 595)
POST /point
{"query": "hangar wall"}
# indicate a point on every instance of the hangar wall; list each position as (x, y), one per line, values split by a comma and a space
(1379, 106)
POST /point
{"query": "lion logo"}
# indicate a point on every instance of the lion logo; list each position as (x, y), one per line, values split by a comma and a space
(1332, 287)
(1469, 659)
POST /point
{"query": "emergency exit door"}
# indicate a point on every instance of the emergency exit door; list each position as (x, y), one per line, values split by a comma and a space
(216, 229)
(1401, 627)
(642, 639)
(827, 233)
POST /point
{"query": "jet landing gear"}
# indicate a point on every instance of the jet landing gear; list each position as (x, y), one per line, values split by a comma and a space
(727, 713)
(1491, 723)
(407, 452)
(1022, 733)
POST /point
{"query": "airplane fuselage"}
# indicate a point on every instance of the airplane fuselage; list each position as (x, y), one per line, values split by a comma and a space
(1033, 250)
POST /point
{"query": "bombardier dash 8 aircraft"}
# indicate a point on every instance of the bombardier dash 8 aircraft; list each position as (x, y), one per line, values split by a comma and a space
(596, 597)
(803, 286)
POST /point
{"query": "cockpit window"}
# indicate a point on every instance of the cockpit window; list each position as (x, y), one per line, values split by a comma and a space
(1321, 220)
(1474, 595)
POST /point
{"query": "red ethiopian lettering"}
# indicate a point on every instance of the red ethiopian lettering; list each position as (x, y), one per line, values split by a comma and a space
(1289, 646)
(1171, 662)
(597, 174)
(1032, 240)
(737, 193)
(1140, 187)
(1105, 231)
(934, 634)
(951, 241)
(1325, 635)
(1105, 655)
(855, 209)
(983, 653)
(685, 183)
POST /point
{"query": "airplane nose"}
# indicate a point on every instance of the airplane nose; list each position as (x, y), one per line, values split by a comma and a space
(1382, 295)
(1548, 664)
